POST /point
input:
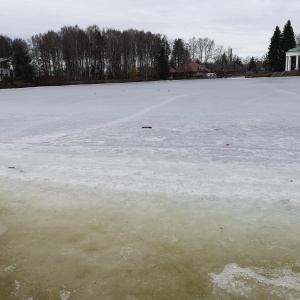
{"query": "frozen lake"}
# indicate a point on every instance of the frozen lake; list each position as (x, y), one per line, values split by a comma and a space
(203, 205)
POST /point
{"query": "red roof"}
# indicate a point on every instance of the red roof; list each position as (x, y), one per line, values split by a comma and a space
(190, 67)
(172, 70)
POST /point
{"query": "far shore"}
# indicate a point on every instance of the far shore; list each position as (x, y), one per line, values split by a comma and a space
(61, 81)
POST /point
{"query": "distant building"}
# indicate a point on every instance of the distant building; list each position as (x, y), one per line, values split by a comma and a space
(189, 69)
(4, 69)
(172, 72)
(4, 73)
(211, 75)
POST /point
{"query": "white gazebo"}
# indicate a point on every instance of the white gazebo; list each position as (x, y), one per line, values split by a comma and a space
(288, 58)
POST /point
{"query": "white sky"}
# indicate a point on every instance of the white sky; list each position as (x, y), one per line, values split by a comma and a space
(245, 25)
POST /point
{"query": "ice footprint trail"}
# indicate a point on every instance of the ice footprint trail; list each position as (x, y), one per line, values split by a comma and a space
(142, 112)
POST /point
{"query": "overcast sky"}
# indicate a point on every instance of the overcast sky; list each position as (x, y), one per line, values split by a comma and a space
(244, 25)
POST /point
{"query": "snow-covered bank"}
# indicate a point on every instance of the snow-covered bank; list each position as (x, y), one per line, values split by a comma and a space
(211, 192)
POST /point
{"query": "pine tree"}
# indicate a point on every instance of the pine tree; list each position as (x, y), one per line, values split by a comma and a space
(276, 54)
(5, 46)
(163, 59)
(224, 61)
(252, 64)
(180, 54)
(288, 37)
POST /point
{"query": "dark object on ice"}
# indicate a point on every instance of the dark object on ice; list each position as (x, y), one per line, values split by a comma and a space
(292, 180)
(14, 168)
(149, 127)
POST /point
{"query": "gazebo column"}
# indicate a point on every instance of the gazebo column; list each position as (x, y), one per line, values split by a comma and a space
(297, 63)
(289, 63)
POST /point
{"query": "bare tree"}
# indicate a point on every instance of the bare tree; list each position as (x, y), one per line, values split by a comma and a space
(297, 38)
(200, 48)
(95, 52)
(208, 48)
(193, 48)
(218, 57)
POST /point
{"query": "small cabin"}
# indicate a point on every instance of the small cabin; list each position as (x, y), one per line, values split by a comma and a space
(191, 69)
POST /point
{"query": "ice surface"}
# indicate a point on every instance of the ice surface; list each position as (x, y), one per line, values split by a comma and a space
(204, 205)
(93, 135)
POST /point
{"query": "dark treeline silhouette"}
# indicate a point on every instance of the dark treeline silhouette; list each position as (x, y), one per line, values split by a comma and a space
(94, 53)
(73, 53)
(79, 54)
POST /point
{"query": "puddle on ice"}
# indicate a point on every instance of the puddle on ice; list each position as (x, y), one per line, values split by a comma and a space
(72, 243)
(258, 283)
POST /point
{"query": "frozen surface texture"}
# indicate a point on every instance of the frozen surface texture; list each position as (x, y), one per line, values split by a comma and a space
(205, 204)
(206, 136)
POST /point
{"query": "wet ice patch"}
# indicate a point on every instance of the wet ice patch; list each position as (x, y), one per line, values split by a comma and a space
(250, 282)
(8, 268)
(65, 295)
(17, 285)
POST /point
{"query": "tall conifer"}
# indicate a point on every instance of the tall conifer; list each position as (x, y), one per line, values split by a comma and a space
(163, 59)
(21, 61)
(252, 64)
(288, 37)
(276, 54)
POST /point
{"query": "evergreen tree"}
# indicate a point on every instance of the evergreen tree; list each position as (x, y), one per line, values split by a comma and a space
(224, 61)
(288, 37)
(180, 54)
(5, 46)
(276, 54)
(163, 59)
(252, 64)
(21, 61)
(237, 64)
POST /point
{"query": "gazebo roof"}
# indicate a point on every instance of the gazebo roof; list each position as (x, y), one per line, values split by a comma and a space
(295, 49)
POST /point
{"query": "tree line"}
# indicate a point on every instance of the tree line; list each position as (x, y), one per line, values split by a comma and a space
(73, 53)
(94, 53)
